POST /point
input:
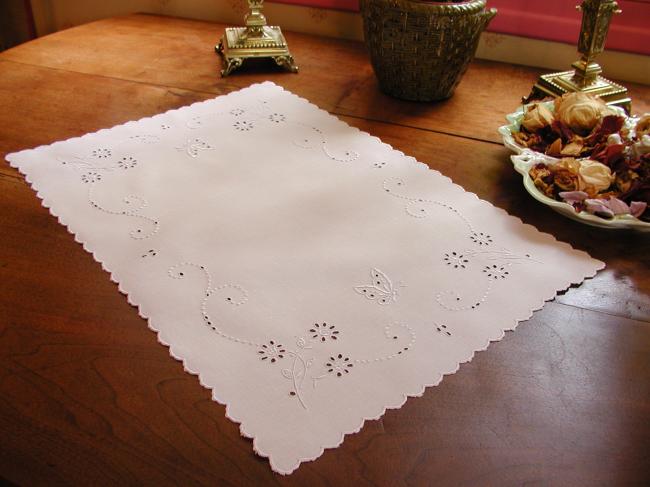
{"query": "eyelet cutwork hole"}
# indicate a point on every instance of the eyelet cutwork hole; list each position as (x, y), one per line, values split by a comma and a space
(272, 351)
(339, 365)
(456, 260)
(101, 153)
(442, 329)
(323, 332)
(91, 177)
(481, 238)
(496, 272)
(127, 162)
(277, 117)
(243, 125)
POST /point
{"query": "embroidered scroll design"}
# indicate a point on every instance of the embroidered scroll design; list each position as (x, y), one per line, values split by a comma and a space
(494, 266)
(316, 350)
(132, 206)
(103, 160)
(247, 117)
(316, 138)
(462, 259)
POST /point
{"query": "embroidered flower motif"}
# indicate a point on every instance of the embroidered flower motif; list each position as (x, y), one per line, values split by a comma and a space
(495, 271)
(339, 365)
(481, 238)
(272, 352)
(102, 153)
(277, 117)
(456, 260)
(236, 112)
(127, 162)
(243, 125)
(323, 332)
(91, 177)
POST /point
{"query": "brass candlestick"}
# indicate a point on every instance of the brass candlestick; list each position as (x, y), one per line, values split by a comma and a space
(256, 40)
(596, 17)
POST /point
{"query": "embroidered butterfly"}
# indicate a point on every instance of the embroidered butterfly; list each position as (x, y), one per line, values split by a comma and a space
(380, 289)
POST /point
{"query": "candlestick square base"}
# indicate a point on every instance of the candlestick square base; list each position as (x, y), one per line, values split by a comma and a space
(556, 84)
(241, 43)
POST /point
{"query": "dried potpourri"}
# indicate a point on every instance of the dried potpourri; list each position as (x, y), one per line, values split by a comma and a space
(615, 177)
(581, 123)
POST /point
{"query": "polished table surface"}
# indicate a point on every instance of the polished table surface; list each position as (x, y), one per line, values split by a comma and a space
(88, 396)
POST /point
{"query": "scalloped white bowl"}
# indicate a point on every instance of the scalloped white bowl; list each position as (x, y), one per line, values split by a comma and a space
(525, 158)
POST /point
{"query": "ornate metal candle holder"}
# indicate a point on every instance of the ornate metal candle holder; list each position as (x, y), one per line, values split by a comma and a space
(256, 40)
(596, 17)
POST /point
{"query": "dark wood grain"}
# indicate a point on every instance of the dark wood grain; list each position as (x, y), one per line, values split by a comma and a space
(89, 397)
(39, 104)
(335, 74)
(180, 53)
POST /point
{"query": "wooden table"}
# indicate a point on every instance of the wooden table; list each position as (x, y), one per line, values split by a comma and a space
(88, 396)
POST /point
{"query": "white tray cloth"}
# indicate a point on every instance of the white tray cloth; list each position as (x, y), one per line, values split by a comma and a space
(311, 275)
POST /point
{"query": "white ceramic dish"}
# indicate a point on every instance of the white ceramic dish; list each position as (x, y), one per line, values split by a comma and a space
(525, 158)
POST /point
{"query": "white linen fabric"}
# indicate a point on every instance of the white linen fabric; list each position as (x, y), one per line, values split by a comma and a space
(311, 275)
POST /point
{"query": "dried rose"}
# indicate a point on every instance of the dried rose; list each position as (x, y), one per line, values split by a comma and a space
(547, 189)
(562, 130)
(573, 148)
(614, 139)
(609, 154)
(542, 178)
(521, 138)
(610, 124)
(568, 163)
(643, 126)
(625, 180)
(580, 111)
(595, 174)
(641, 147)
(537, 116)
(540, 171)
(566, 180)
(555, 149)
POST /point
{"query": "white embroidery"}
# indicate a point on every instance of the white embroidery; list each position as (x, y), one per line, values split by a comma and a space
(193, 146)
(380, 288)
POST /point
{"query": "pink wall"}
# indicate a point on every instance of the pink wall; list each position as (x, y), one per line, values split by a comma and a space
(558, 20)
(555, 20)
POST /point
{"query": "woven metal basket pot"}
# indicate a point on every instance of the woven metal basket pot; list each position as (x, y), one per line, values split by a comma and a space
(420, 50)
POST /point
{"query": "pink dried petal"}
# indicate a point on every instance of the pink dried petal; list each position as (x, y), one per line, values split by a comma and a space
(573, 196)
(617, 206)
(597, 207)
(637, 208)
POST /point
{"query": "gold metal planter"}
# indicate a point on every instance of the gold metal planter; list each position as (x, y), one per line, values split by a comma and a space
(420, 50)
